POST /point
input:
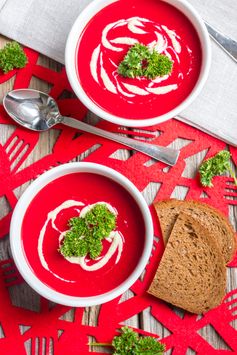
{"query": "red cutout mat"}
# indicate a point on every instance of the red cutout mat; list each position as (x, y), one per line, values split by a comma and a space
(46, 325)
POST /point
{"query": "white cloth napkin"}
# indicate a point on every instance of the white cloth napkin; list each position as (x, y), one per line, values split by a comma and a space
(45, 24)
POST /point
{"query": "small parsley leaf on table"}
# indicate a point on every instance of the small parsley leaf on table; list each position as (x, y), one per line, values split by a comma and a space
(130, 343)
(217, 165)
(12, 56)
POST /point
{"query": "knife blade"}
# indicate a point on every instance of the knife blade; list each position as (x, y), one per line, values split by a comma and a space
(226, 43)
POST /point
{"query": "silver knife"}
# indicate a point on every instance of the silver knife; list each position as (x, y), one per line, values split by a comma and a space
(226, 43)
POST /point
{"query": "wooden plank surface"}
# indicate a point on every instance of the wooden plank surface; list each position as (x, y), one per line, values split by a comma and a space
(23, 295)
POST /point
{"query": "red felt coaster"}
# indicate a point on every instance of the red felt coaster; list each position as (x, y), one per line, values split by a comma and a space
(46, 328)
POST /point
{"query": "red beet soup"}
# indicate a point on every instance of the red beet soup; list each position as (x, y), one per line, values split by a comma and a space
(47, 217)
(106, 40)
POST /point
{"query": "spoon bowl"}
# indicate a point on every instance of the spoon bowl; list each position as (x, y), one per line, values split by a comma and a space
(38, 111)
(32, 109)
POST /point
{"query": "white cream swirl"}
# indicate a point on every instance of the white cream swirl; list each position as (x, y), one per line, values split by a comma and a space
(51, 218)
(115, 239)
(115, 39)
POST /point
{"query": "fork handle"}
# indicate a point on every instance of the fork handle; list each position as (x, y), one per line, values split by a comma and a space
(164, 154)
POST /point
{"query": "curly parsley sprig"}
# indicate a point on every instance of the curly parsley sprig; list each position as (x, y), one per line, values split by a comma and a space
(12, 56)
(217, 165)
(130, 343)
(86, 233)
(141, 61)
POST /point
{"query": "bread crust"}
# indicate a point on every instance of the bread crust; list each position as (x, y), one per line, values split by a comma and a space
(211, 218)
(192, 272)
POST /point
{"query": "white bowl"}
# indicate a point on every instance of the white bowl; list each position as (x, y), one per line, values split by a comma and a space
(17, 243)
(70, 59)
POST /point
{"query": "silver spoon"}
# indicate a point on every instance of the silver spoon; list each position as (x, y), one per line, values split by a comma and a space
(39, 112)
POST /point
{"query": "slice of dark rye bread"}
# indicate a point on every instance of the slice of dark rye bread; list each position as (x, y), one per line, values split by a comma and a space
(192, 272)
(209, 217)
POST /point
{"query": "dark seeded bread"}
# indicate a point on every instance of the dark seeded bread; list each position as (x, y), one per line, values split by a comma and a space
(192, 272)
(209, 217)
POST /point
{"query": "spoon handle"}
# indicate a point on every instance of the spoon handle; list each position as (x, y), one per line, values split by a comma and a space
(164, 154)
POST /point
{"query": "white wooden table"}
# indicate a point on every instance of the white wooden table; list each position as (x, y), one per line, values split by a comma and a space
(22, 295)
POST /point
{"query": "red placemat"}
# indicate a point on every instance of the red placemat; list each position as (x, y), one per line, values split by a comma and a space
(47, 326)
